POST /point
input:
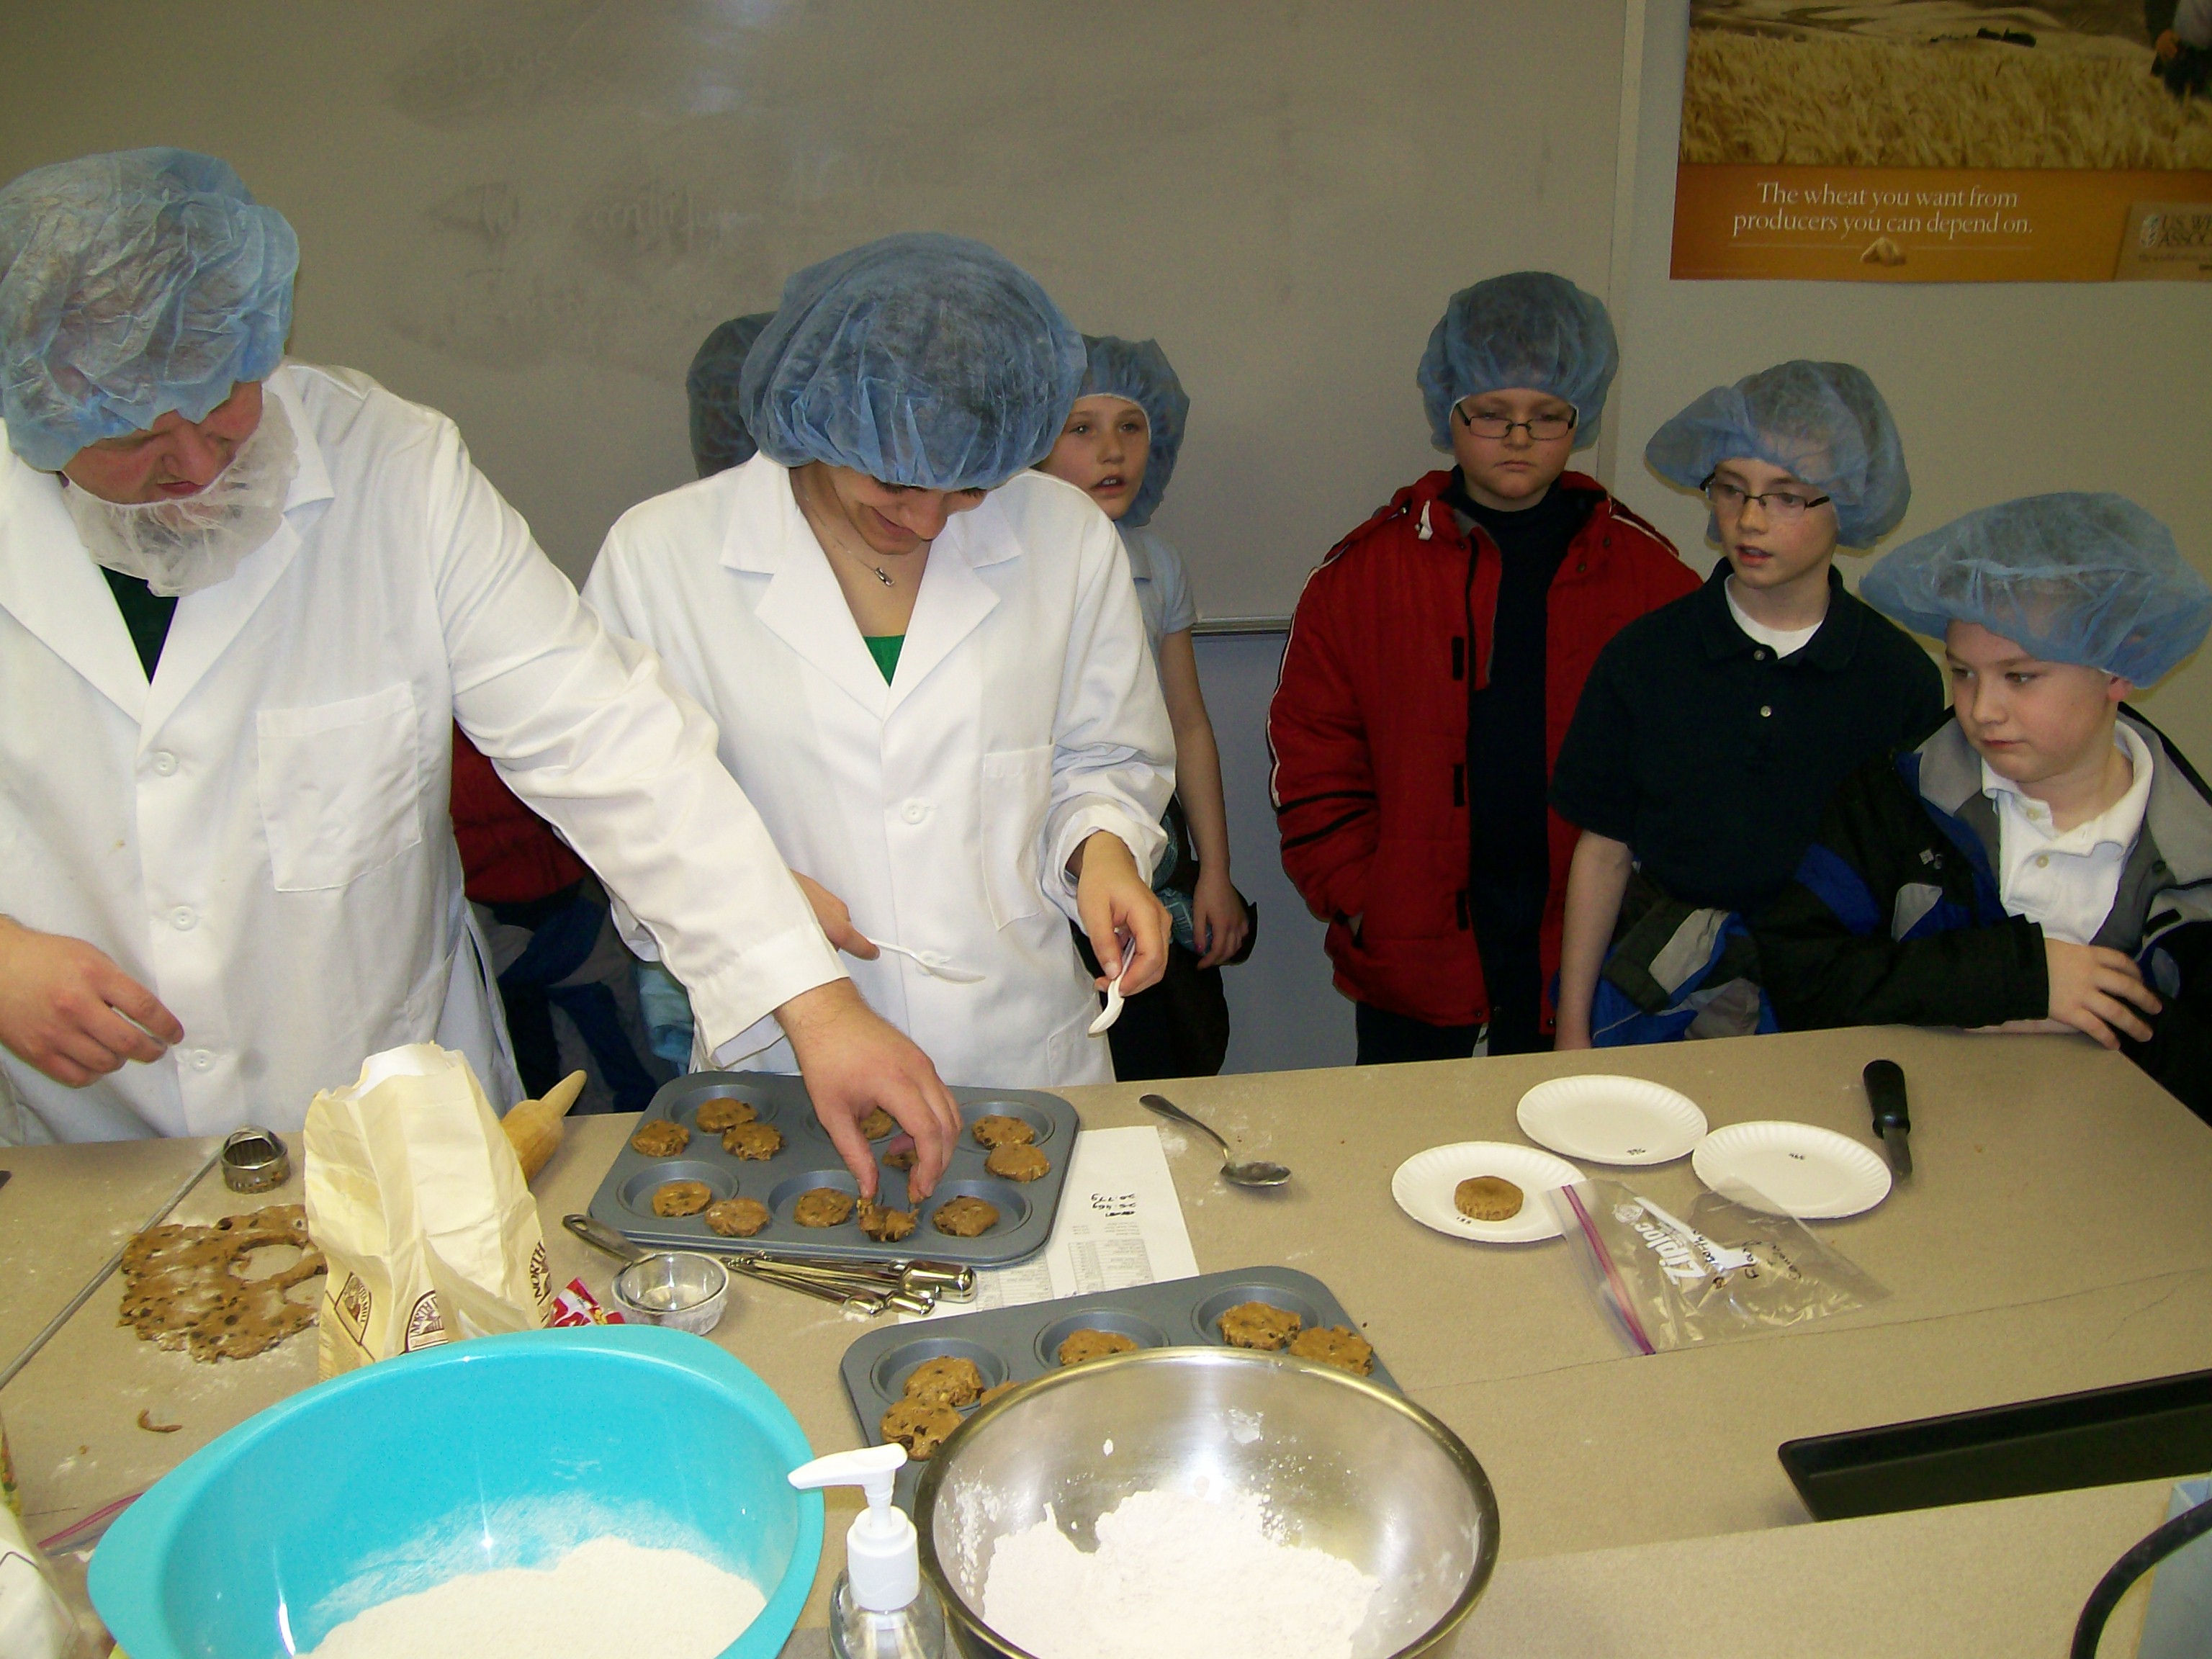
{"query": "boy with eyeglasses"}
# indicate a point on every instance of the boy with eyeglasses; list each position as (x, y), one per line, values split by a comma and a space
(2043, 862)
(1712, 732)
(1433, 666)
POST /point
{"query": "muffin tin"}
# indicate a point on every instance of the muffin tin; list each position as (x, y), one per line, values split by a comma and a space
(1012, 1345)
(808, 1160)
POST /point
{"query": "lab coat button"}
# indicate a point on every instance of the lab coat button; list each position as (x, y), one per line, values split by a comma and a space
(183, 918)
(2043, 860)
(1759, 655)
(164, 762)
(914, 811)
(201, 1059)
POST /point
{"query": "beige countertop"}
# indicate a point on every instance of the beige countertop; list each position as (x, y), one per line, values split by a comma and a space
(2055, 1237)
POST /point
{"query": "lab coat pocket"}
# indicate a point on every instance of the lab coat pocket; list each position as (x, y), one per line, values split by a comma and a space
(1016, 786)
(339, 787)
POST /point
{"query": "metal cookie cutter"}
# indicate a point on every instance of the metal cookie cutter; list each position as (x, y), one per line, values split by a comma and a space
(255, 1160)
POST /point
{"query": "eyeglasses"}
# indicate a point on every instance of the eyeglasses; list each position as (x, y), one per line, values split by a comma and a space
(1543, 429)
(1728, 501)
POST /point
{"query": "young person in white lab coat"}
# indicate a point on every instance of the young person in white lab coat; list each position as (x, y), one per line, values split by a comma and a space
(926, 661)
(241, 602)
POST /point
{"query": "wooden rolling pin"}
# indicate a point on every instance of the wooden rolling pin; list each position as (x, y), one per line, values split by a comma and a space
(533, 1126)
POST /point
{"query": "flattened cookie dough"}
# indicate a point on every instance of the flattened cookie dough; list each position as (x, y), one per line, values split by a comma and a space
(757, 1141)
(947, 1380)
(1079, 1346)
(990, 1395)
(884, 1225)
(919, 1428)
(1333, 1344)
(1258, 1325)
(717, 1115)
(965, 1217)
(998, 1130)
(737, 1217)
(825, 1206)
(1488, 1198)
(682, 1197)
(1019, 1162)
(880, 1125)
(658, 1138)
(902, 1159)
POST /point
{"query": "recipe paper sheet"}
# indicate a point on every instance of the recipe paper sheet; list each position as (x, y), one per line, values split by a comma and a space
(1120, 1224)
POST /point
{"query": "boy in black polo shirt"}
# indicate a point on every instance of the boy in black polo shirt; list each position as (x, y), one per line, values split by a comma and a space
(1713, 730)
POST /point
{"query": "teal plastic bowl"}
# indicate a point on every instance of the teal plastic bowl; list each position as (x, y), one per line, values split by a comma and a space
(505, 1451)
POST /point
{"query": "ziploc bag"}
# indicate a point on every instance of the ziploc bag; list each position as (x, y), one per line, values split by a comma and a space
(1728, 1269)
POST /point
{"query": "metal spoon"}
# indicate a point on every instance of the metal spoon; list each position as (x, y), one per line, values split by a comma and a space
(1257, 1172)
(931, 964)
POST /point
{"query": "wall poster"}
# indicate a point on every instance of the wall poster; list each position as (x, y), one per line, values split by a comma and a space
(1947, 140)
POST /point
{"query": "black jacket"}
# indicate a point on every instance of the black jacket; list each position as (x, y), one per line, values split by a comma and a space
(1895, 916)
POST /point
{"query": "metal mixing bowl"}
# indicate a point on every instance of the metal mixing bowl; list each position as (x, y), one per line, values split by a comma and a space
(1346, 1465)
(681, 1288)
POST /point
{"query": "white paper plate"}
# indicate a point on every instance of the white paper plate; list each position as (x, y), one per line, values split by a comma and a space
(1425, 1182)
(1610, 1119)
(1815, 1174)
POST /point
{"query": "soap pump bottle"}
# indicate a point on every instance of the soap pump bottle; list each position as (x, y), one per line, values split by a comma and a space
(879, 1608)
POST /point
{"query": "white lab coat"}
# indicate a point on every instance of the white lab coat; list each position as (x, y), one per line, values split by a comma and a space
(1025, 714)
(262, 835)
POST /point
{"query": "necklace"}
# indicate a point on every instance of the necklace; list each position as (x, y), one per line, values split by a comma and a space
(835, 543)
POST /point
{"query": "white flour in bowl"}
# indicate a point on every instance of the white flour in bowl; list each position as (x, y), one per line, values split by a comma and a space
(1173, 1578)
(605, 1600)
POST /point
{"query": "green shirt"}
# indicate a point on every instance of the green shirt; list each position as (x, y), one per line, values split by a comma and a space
(884, 648)
(145, 613)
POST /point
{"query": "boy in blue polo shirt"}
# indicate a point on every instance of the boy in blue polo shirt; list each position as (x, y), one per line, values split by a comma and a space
(1713, 730)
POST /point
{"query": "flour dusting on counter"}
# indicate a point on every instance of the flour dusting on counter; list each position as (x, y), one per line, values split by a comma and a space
(605, 1600)
(1173, 1578)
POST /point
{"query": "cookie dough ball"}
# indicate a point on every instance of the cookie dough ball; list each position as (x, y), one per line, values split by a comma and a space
(884, 1225)
(1079, 1346)
(919, 1428)
(880, 1125)
(1488, 1198)
(996, 1131)
(965, 1217)
(1333, 1344)
(658, 1138)
(903, 1160)
(947, 1380)
(1258, 1325)
(717, 1115)
(681, 1198)
(756, 1141)
(737, 1217)
(1019, 1162)
(825, 1206)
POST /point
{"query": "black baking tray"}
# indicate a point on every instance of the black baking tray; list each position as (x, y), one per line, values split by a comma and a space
(2157, 1430)
(1012, 1345)
(808, 1160)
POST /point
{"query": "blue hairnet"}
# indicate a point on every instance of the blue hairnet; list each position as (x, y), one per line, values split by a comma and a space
(921, 360)
(1531, 330)
(1139, 371)
(133, 284)
(1823, 422)
(2074, 577)
(719, 438)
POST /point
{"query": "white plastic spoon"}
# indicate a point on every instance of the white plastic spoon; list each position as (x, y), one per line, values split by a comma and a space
(1112, 1011)
(935, 969)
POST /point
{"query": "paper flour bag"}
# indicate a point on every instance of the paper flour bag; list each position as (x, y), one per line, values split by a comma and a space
(415, 1196)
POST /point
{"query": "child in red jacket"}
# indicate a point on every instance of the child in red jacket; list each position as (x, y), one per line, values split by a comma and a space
(1433, 666)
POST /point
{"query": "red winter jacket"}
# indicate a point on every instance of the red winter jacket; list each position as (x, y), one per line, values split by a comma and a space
(509, 855)
(1369, 733)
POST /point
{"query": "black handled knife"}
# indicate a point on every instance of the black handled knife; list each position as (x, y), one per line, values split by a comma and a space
(1892, 1123)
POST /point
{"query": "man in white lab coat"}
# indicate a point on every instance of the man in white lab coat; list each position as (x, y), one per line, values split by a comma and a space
(240, 601)
(927, 663)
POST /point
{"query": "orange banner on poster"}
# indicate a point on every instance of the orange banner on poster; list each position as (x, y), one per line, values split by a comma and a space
(1940, 224)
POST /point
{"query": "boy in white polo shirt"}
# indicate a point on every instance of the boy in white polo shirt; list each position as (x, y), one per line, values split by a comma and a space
(2043, 862)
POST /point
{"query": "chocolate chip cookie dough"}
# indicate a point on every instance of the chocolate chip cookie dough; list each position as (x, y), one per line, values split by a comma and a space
(1333, 1345)
(756, 1141)
(965, 1217)
(676, 1198)
(880, 1125)
(1488, 1198)
(1258, 1325)
(716, 1115)
(1079, 1346)
(658, 1138)
(825, 1206)
(885, 1226)
(997, 1130)
(1019, 1162)
(919, 1428)
(183, 1286)
(737, 1217)
(947, 1380)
